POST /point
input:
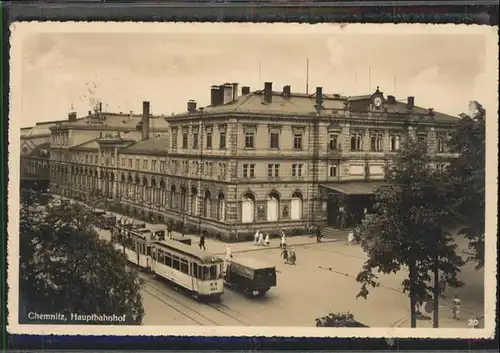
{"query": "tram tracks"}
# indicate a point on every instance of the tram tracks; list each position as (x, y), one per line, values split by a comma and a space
(223, 313)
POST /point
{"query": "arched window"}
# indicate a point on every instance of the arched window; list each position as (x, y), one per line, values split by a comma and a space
(248, 208)
(194, 201)
(221, 207)
(184, 201)
(296, 206)
(273, 207)
(154, 191)
(173, 200)
(145, 189)
(163, 194)
(207, 204)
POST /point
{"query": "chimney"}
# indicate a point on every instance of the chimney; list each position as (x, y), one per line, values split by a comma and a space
(391, 100)
(145, 120)
(228, 93)
(221, 95)
(191, 106)
(72, 117)
(100, 107)
(268, 92)
(214, 96)
(90, 113)
(235, 90)
(411, 101)
(245, 90)
(287, 91)
(319, 96)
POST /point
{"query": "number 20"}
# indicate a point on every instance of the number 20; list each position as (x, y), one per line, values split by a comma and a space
(473, 322)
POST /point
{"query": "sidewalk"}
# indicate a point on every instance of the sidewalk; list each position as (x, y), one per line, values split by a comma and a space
(468, 313)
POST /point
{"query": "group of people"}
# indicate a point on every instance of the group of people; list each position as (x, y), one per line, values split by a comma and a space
(260, 239)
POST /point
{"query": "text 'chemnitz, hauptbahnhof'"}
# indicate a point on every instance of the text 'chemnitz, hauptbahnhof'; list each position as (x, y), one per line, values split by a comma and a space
(263, 159)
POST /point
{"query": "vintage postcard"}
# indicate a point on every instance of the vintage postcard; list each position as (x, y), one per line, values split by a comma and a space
(229, 179)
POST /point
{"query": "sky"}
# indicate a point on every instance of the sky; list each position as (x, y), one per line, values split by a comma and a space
(68, 69)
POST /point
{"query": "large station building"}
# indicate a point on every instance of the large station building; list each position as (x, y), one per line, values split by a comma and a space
(267, 159)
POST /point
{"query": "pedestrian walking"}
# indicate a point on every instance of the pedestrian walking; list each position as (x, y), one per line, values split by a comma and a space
(266, 241)
(261, 239)
(202, 242)
(169, 229)
(456, 307)
(292, 258)
(318, 234)
(256, 237)
(283, 240)
(227, 261)
(284, 254)
(350, 238)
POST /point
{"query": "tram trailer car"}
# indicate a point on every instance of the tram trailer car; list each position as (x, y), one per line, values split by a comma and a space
(199, 272)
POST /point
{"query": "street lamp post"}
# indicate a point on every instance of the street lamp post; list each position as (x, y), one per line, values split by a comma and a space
(200, 171)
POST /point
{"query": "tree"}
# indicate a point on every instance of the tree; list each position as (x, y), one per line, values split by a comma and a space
(407, 228)
(65, 267)
(467, 173)
(338, 320)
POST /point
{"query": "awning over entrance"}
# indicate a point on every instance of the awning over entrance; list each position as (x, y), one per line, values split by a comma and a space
(354, 188)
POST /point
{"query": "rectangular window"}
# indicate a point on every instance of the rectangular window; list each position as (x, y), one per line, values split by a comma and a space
(145, 164)
(440, 145)
(376, 142)
(176, 264)
(137, 164)
(332, 172)
(245, 170)
(252, 171)
(161, 257)
(395, 142)
(184, 266)
(168, 259)
(185, 140)
(249, 140)
(209, 140)
(174, 139)
(356, 142)
(248, 170)
(222, 140)
(297, 142)
(153, 165)
(273, 170)
(333, 142)
(195, 140)
(274, 141)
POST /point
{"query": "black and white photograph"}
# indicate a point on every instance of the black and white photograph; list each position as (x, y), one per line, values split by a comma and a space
(232, 179)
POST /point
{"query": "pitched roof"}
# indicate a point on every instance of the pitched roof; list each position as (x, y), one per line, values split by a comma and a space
(117, 121)
(40, 129)
(89, 145)
(154, 146)
(299, 104)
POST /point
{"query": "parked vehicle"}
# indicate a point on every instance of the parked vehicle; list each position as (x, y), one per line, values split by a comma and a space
(251, 276)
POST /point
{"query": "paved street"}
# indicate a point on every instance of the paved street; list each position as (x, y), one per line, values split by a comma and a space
(322, 281)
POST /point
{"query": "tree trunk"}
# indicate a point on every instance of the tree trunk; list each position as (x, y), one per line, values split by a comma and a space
(435, 323)
(413, 301)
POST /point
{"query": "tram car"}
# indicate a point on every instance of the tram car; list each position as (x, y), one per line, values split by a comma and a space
(197, 271)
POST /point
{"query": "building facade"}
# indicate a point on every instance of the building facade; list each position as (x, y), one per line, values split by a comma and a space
(265, 159)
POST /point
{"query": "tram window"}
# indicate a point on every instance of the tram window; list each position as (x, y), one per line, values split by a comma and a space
(153, 253)
(175, 262)
(184, 266)
(168, 259)
(148, 250)
(213, 272)
(194, 270)
(161, 257)
(206, 273)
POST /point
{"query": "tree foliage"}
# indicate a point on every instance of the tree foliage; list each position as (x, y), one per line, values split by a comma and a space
(338, 320)
(66, 268)
(407, 227)
(467, 173)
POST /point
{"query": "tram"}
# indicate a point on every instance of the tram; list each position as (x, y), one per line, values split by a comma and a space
(197, 271)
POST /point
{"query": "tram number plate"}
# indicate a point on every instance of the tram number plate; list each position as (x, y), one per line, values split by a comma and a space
(213, 286)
